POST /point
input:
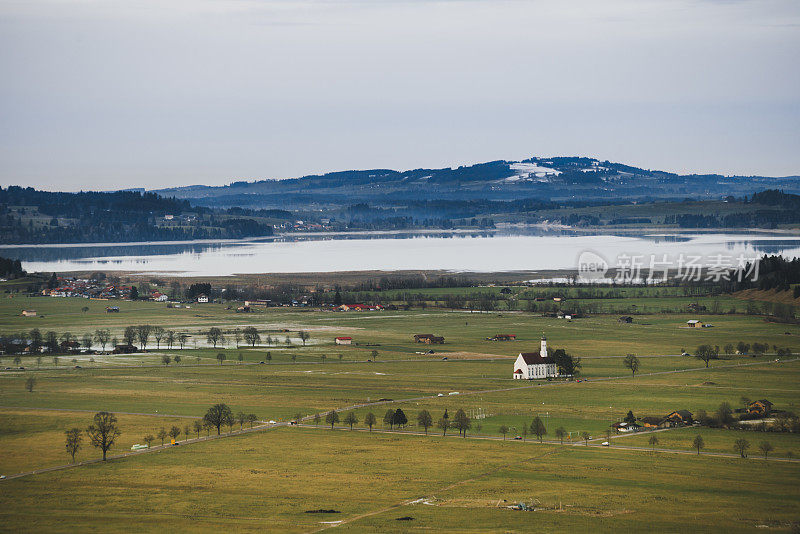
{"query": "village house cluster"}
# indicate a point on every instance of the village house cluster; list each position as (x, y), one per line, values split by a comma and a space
(88, 289)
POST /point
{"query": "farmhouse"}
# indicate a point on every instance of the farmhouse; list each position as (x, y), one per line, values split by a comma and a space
(29, 313)
(202, 298)
(650, 422)
(359, 307)
(344, 340)
(535, 365)
(759, 407)
(259, 302)
(626, 427)
(429, 339)
(503, 337)
(158, 297)
(678, 418)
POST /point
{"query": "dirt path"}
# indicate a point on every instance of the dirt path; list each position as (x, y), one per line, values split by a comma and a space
(413, 501)
(32, 408)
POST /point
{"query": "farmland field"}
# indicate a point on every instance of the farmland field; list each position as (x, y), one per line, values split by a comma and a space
(270, 478)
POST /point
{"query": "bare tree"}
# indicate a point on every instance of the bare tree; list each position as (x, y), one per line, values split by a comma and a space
(705, 353)
(444, 424)
(129, 335)
(561, 433)
(241, 418)
(149, 439)
(214, 336)
(653, 441)
(162, 435)
(170, 338)
(165, 359)
(73, 442)
(537, 428)
(158, 334)
(303, 336)
(632, 363)
(86, 341)
(351, 419)
(332, 418)
(174, 432)
(30, 382)
(103, 431)
(766, 448)
(143, 332)
(425, 420)
(370, 420)
(237, 336)
(741, 445)
(251, 336)
(218, 415)
(503, 430)
(252, 418)
(198, 426)
(585, 436)
(698, 443)
(102, 336)
(461, 422)
(182, 339)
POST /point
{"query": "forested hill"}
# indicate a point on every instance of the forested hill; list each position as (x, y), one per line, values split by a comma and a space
(557, 179)
(31, 216)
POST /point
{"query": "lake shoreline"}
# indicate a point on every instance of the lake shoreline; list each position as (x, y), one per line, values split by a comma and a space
(500, 229)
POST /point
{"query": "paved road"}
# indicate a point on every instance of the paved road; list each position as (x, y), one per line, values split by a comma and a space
(594, 443)
(155, 448)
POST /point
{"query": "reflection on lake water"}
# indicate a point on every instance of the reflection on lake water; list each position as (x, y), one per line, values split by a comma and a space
(480, 251)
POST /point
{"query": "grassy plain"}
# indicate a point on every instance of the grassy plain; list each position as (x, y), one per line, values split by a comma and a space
(251, 483)
(269, 479)
(390, 332)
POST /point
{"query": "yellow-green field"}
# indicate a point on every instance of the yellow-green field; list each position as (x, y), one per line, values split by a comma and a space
(268, 479)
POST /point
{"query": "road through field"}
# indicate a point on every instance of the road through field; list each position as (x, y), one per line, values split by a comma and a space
(266, 427)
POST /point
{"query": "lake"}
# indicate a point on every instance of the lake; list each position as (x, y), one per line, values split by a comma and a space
(465, 251)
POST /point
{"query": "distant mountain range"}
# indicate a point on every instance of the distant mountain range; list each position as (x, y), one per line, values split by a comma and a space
(557, 179)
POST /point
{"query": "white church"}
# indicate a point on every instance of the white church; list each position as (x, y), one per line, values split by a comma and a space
(535, 365)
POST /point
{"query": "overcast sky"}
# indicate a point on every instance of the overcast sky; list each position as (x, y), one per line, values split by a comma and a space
(106, 94)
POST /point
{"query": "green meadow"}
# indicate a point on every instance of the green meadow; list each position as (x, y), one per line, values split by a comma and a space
(269, 479)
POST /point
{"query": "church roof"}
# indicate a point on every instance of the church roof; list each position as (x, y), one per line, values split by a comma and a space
(533, 358)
